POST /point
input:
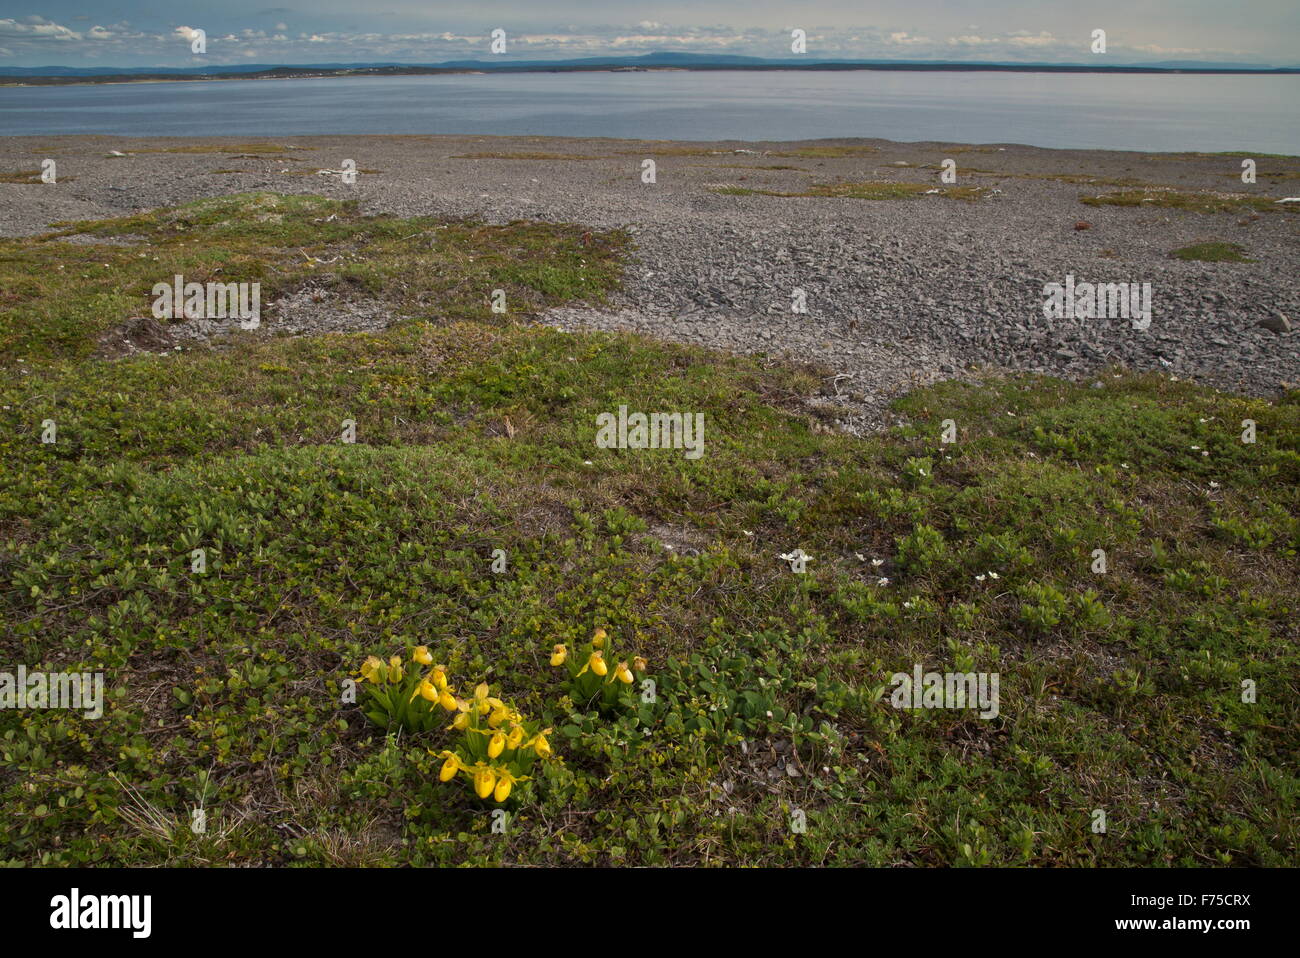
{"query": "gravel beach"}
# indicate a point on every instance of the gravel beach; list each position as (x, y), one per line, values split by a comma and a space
(899, 292)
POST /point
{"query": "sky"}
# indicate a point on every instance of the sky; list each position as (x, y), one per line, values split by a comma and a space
(139, 33)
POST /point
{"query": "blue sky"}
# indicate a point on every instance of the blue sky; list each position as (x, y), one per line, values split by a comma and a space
(154, 33)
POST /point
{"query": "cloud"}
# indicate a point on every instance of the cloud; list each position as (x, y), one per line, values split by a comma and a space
(36, 27)
(32, 38)
(1020, 39)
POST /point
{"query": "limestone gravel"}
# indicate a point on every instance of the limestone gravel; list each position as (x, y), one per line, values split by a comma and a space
(899, 292)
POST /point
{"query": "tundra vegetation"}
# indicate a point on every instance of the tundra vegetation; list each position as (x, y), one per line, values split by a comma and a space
(227, 689)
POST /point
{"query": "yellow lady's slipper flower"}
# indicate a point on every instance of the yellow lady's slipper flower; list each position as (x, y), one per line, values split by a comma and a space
(372, 668)
(460, 722)
(426, 691)
(395, 661)
(503, 787)
(450, 767)
(598, 640)
(595, 663)
(439, 677)
(481, 702)
(559, 654)
(394, 670)
(421, 655)
(496, 745)
(622, 673)
(541, 746)
(498, 716)
(515, 737)
(448, 701)
(484, 781)
(638, 664)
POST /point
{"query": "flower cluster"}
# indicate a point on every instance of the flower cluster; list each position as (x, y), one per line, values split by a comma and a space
(497, 747)
(399, 696)
(590, 676)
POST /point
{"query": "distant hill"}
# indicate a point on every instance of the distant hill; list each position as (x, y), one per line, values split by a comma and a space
(648, 61)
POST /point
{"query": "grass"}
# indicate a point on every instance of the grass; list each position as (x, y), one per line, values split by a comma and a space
(744, 166)
(1198, 202)
(1247, 153)
(1213, 252)
(29, 177)
(896, 191)
(874, 190)
(1119, 691)
(57, 299)
(522, 156)
(260, 149)
(826, 152)
(807, 152)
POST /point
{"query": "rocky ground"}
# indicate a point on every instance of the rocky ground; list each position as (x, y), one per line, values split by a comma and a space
(899, 292)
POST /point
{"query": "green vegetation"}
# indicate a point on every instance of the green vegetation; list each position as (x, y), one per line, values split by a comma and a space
(225, 688)
(1249, 154)
(521, 156)
(897, 191)
(1084, 178)
(746, 191)
(259, 149)
(826, 152)
(1203, 202)
(1214, 252)
(58, 298)
(867, 191)
(745, 166)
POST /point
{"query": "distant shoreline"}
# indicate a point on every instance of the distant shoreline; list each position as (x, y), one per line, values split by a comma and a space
(303, 73)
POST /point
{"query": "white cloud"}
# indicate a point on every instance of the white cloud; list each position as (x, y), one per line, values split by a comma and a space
(32, 38)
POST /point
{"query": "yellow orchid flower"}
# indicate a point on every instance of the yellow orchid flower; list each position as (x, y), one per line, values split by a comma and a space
(372, 669)
(598, 640)
(638, 664)
(450, 767)
(504, 782)
(622, 673)
(481, 693)
(448, 701)
(559, 654)
(515, 737)
(439, 677)
(498, 716)
(426, 691)
(496, 745)
(541, 746)
(484, 781)
(421, 655)
(460, 722)
(595, 663)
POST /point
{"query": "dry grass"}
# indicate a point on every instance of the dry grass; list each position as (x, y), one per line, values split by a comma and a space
(1191, 202)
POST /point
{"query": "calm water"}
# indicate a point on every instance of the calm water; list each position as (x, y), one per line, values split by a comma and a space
(1133, 112)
